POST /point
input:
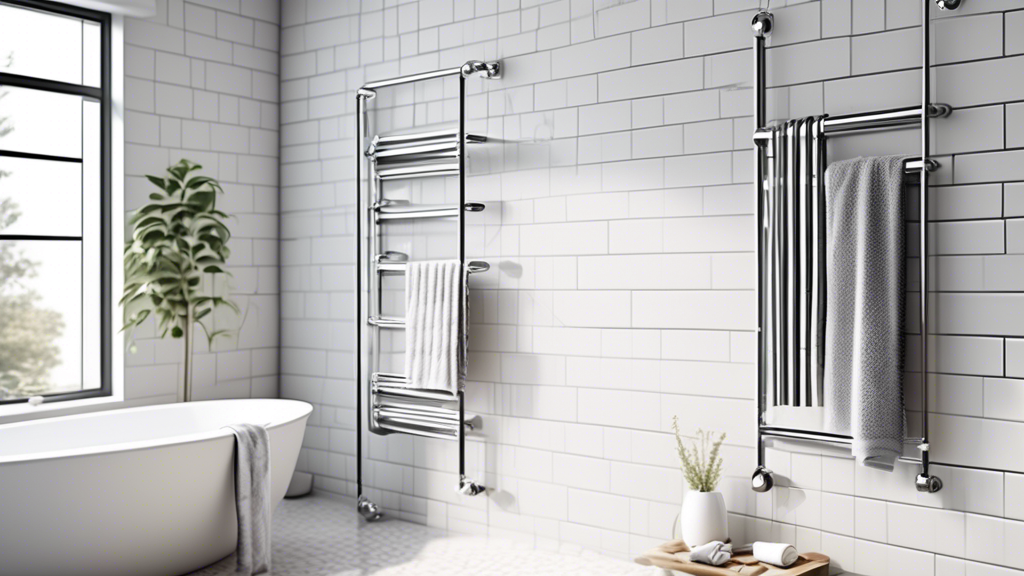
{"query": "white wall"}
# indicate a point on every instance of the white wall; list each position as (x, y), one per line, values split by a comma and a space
(621, 238)
(201, 82)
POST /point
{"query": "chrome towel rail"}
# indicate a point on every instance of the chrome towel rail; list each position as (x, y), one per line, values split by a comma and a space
(393, 407)
(770, 146)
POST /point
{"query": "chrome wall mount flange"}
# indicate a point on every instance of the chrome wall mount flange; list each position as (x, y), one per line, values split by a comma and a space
(762, 480)
(928, 483)
(762, 24)
(469, 488)
(948, 4)
(368, 510)
(483, 69)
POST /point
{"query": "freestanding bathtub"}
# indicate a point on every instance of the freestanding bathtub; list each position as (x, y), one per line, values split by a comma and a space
(140, 491)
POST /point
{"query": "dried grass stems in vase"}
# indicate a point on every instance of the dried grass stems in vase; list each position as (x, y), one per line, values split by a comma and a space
(704, 517)
(702, 461)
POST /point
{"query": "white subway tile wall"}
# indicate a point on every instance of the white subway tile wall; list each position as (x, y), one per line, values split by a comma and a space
(201, 82)
(621, 237)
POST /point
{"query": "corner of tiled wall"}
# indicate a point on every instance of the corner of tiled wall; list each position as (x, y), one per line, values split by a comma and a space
(201, 82)
(620, 230)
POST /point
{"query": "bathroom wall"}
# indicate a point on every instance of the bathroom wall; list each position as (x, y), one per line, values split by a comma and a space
(201, 82)
(621, 239)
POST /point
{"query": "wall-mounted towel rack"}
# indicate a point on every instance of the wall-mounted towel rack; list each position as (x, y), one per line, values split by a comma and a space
(766, 144)
(392, 406)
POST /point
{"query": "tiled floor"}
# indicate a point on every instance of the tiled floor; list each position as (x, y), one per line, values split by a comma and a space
(323, 536)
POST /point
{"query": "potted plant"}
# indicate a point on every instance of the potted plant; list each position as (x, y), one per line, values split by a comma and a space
(703, 518)
(177, 239)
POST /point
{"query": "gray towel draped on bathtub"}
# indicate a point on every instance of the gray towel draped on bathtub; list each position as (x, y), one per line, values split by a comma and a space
(252, 498)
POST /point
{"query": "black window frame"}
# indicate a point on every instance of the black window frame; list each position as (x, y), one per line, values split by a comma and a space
(103, 96)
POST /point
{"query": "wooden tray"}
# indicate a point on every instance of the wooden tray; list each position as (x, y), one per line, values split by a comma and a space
(675, 555)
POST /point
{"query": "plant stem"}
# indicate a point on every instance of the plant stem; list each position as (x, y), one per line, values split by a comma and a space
(189, 334)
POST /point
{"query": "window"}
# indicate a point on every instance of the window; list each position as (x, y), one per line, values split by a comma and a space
(55, 317)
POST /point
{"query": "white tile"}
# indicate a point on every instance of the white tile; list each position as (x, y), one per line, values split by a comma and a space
(1014, 491)
(837, 513)
(870, 519)
(657, 44)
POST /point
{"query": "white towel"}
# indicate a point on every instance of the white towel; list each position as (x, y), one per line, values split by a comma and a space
(866, 276)
(435, 356)
(713, 553)
(252, 498)
(776, 554)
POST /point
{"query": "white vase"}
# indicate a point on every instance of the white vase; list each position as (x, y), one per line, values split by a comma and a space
(704, 518)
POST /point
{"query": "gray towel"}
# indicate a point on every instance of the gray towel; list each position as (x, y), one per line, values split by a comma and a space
(435, 324)
(252, 498)
(866, 276)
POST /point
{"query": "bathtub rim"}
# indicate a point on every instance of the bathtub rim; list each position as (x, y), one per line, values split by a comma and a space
(305, 408)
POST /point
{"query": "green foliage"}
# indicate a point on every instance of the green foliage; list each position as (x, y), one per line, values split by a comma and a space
(176, 239)
(701, 462)
(27, 331)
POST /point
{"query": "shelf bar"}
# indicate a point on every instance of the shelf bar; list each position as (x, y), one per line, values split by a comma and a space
(473, 267)
(420, 171)
(426, 409)
(414, 417)
(869, 120)
(388, 425)
(457, 71)
(431, 212)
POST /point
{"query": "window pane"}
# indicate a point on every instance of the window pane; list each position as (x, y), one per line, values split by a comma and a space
(41, 122)
(44, 198)
(91, 50)
(40, 318)
(40, 44)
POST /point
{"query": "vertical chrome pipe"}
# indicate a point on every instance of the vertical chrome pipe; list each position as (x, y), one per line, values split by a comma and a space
(925, 482)
(361, 98)
(360, 121)
(462, 275)
(762, 28)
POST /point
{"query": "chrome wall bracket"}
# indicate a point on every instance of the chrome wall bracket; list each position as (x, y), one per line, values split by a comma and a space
(948, 5)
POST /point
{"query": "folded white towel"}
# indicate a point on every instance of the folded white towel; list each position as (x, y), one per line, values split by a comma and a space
(714, 553)
(434, 352)
(776, 554)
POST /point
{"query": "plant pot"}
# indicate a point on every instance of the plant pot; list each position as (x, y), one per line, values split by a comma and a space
(704, 518)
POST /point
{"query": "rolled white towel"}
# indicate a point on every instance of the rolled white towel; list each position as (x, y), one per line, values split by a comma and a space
(714, 553)
(776, 554)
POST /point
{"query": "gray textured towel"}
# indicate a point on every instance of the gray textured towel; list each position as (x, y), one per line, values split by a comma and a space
(866, 276)
(252, 498)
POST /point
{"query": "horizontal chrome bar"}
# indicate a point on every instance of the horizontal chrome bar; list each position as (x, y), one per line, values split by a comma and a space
(886, 118)
(389, 210)
(869, 120)
(383, 146)
(420, 212)
(451, 134)
(486, 69)
(416, 408)
(817, 436)
(388, 425)
(413, 417)
(416, 158)
(386, 322)
(419, 171)
(413, 78)
(473, 267)
(380, 379)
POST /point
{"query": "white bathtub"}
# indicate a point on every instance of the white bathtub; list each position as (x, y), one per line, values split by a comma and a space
(137, 491)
